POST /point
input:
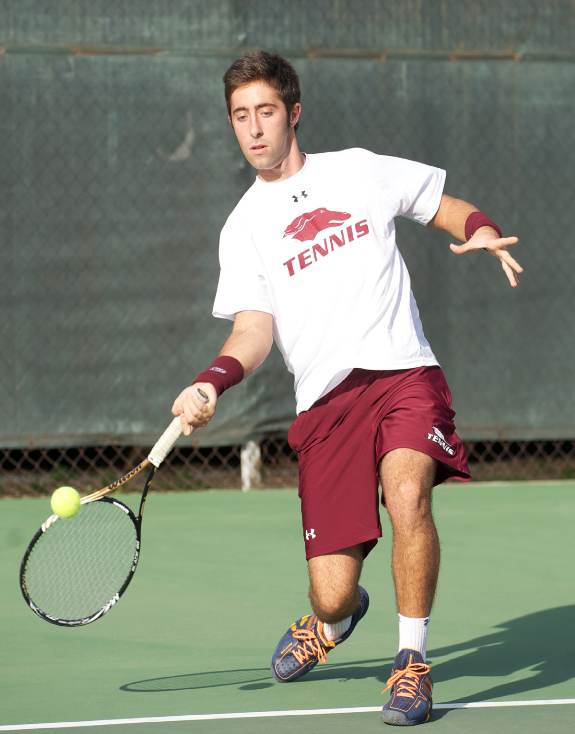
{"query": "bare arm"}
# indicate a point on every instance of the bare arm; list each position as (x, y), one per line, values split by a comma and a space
(250, 343)
(451, 217)
(251, 339)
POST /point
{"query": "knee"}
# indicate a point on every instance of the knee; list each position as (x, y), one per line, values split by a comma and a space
(332, 605)
(409, 504)
(333, 583)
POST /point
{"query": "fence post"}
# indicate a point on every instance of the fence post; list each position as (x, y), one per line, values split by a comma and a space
(251, 465)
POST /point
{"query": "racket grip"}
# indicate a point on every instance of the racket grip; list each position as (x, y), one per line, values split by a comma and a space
(165, 443)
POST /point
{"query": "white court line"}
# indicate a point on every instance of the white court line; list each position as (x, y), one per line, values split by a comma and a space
(273, 714)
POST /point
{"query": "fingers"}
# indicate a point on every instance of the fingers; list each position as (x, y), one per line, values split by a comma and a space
(501, 242)
(506, 258)
(497, 248)
(186, 428)
(195, 405)
(510, 274)
(466, 247)
(459, 249)
(510, 267)
(481, 243)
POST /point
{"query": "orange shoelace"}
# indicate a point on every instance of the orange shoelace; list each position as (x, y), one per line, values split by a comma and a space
(312, 644)
(408, 679)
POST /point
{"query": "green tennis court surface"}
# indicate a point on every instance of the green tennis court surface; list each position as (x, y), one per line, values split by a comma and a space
(223, 574)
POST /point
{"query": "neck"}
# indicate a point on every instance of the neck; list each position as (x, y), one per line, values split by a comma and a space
(290, 165)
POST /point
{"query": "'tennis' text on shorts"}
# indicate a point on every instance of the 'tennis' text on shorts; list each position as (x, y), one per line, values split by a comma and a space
(308, 257)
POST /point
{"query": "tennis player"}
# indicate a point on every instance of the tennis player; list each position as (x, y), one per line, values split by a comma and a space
(309, 260)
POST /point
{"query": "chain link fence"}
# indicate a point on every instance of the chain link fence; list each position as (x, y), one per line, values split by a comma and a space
(118, 169)
(270, 464)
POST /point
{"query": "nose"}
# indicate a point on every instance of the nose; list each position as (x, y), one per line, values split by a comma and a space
(255, 127)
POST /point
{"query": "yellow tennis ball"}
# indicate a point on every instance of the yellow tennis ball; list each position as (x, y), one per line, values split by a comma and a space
(65, 502)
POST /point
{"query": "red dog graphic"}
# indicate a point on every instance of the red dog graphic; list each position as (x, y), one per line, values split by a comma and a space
(306, 226)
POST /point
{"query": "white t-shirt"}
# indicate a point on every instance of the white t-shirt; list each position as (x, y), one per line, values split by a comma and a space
(318, 252)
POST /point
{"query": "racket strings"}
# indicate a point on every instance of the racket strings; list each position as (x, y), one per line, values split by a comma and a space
(78, 566)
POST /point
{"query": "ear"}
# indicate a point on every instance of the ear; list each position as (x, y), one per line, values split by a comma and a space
(295, 114)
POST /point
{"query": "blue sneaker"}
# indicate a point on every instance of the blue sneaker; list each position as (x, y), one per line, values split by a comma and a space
(305, 645)
(411, 687)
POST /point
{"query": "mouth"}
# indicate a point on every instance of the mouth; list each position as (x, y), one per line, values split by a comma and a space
(258, 148)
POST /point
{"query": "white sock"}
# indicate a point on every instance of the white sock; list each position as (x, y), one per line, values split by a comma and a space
(413, 633)
(337, 629)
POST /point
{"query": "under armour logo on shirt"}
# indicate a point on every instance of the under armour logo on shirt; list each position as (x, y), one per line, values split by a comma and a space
(296, 199)
(310, 534)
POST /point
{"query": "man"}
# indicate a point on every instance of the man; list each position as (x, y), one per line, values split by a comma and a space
(308, 258)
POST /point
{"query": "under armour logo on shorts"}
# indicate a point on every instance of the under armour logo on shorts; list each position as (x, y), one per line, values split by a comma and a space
(310, 534)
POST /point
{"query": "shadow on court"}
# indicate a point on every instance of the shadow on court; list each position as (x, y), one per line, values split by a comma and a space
(539, 645)
(211, 679)
(249, 679)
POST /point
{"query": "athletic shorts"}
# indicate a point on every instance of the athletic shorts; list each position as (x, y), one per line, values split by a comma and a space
(342, 438)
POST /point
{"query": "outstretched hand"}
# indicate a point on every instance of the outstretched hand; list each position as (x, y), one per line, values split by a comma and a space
(496, 246)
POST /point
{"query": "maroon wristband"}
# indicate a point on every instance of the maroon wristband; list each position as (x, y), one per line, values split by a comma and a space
(223, 372)
(476, 220)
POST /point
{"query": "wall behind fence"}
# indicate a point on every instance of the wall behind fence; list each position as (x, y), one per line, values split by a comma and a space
(118, 169)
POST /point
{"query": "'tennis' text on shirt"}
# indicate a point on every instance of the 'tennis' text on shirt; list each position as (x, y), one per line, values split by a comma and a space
(312, 254)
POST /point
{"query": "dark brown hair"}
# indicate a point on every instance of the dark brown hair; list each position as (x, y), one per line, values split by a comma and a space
(265, 67)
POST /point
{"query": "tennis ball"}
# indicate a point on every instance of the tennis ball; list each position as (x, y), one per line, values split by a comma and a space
(65, 502)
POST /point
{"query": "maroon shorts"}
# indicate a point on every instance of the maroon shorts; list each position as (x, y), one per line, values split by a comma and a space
(342, 438)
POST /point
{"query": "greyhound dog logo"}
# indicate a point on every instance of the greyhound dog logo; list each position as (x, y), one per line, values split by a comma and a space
(306, 226)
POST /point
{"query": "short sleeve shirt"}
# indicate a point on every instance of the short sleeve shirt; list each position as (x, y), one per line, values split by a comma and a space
(318, 252)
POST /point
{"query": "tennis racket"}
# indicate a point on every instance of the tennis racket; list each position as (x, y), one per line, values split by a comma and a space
(75, 570)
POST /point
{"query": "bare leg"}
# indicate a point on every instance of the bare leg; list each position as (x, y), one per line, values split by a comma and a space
(407, 479)
(334, 596)
(333, 583)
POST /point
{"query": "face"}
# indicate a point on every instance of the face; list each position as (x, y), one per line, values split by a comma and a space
(260, 121)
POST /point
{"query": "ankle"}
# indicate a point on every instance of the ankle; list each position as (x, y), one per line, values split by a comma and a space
(413, 634)
(335, 630)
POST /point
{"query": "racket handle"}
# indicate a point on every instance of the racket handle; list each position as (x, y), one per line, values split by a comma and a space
(166, 442)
